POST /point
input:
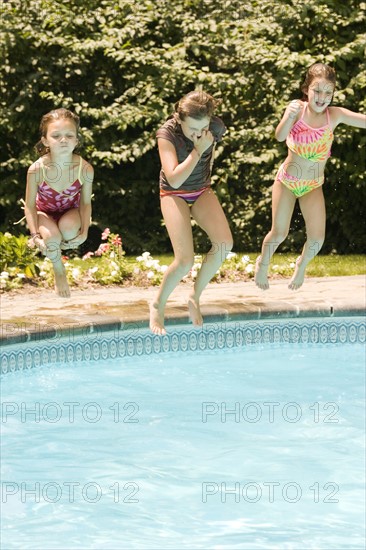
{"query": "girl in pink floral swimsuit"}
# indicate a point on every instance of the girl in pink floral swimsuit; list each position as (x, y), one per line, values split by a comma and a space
(307, 126)
(58, 193)
(56, 203)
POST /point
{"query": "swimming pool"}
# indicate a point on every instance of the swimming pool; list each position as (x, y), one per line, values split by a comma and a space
(257, 444)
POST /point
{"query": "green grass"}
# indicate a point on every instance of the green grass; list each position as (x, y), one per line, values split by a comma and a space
(330, 265)
(322, 266)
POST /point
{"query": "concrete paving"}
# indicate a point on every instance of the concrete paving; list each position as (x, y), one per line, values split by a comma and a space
(33, 314)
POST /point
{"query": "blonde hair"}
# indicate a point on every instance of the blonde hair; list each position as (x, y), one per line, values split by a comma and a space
(56, 114)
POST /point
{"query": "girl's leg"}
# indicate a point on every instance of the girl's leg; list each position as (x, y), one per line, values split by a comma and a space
(313, 209)
(283, 203)
(209, 215)
(177, 217)
(69, 225)
(52, 238)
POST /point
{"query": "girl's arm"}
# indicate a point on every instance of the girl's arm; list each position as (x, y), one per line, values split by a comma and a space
(175, 173)
(340, 115)
(288, 120)
(85, 200)
(85, 207)
(34, 177)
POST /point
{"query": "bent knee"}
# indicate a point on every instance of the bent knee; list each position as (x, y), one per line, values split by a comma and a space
(68, 230)
(227, 245)
(224, 245)
(184, 264)
(279, 235)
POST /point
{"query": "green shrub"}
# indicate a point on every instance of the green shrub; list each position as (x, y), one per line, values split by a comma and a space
(18, 261)
(121, 66)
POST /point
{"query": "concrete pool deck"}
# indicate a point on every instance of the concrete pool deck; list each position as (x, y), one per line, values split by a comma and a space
(24, 316)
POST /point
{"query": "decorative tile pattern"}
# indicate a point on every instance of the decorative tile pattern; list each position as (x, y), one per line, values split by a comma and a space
(120, 343)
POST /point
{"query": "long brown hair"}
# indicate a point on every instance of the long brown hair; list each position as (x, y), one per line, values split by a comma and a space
(56, 114)
(197, 104)
(317, 70)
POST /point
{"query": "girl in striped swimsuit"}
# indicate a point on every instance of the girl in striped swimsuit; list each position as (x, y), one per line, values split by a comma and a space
(307, 126)
(186, 145)
(58, 193)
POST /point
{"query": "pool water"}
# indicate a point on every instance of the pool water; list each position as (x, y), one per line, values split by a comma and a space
(257, 448)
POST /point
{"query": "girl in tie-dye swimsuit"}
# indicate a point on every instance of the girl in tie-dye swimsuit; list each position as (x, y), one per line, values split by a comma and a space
(312, 144)
(58, 194)
(307, 126)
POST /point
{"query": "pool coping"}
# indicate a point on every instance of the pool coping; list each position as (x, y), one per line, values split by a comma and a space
(43, 316)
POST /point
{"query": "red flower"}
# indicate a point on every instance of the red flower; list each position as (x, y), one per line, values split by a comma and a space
(117, 241)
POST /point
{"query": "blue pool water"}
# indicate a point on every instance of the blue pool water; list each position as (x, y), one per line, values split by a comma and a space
(257, 448)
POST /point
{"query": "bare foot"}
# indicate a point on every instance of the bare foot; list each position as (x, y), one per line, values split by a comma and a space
(61, 284)
(157, 319)
(194, 311)
(260, 277)
(298, 276)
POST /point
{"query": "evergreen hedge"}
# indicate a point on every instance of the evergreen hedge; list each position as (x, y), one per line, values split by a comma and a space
(121, 66)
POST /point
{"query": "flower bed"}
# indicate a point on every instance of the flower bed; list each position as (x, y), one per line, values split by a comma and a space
(108, 265)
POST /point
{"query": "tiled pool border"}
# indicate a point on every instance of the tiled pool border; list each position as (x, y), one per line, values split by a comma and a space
(19, 332)
(132, 340)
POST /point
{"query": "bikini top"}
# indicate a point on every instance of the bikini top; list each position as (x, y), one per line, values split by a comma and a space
(50, 200)
(312, 144)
